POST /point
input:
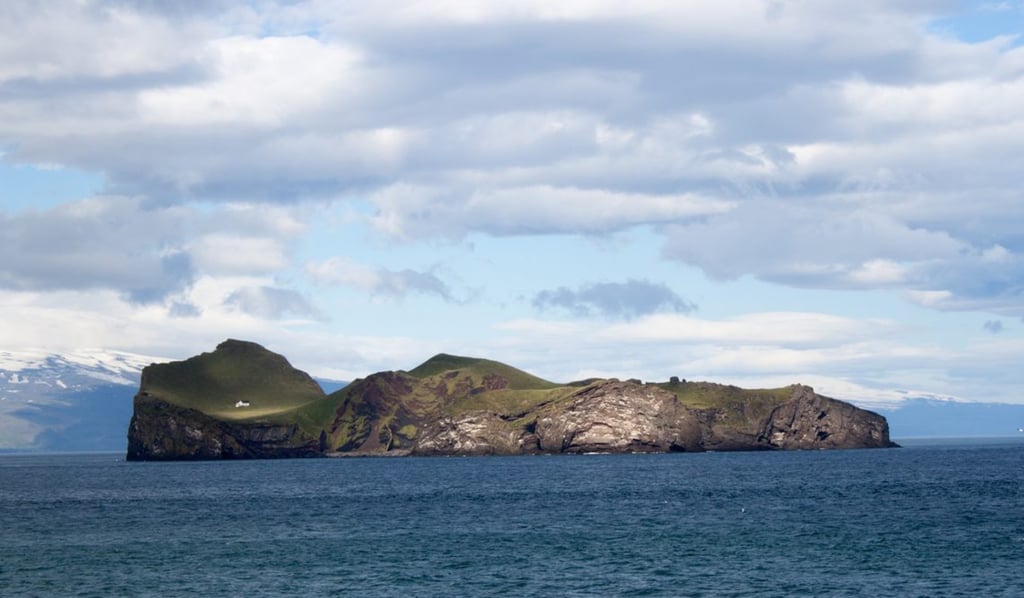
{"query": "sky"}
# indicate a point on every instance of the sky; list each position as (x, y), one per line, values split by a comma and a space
(753, 193)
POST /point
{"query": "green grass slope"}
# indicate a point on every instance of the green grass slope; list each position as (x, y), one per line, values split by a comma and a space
(443, 363)
(236, 371)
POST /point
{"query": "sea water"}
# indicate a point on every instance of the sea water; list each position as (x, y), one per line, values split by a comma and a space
(930, 519)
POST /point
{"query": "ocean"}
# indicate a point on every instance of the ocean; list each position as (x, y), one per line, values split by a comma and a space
(931, 519)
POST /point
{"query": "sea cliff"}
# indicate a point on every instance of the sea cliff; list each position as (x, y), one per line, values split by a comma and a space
(243, 401)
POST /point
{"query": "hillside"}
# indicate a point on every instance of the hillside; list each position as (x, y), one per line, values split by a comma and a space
(242, 401)
(214, 382)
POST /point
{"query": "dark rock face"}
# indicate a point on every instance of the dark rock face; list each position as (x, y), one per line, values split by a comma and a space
(811, 421)
(160, 431)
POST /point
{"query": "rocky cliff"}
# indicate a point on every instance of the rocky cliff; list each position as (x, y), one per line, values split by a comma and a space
(464, 406)
(234, 403)
(611, 416)
(161, 431)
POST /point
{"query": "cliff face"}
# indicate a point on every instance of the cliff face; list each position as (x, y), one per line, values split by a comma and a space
(160, 431)
(617, 417)
(811, 421)
(462, 406)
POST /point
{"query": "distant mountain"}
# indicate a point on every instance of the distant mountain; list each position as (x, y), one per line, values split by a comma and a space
(916, 418)
(242, 401)
(71, 402)
(79, 401)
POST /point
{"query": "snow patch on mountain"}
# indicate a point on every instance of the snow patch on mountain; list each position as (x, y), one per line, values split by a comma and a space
(72, 370)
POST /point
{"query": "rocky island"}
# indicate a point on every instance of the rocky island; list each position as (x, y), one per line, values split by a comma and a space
(242, 401)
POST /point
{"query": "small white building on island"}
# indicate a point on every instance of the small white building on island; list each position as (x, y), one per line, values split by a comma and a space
(243, 404)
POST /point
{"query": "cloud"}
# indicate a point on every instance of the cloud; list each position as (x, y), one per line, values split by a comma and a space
(994, 326)
(183, 309)
(271, 303)
(824, 145)
(378, 281)
(809, 245)
(799, 329)
(405, 211)
(145, 251)
(614, 299)
(105, 242)
(224, 253)
(825, 245)
(234, 103)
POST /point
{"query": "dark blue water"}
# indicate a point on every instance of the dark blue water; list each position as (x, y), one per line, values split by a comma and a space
(926, 520)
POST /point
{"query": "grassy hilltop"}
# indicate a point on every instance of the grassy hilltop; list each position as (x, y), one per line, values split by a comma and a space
(236, 371)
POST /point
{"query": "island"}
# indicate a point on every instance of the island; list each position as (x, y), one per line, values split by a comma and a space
(242, 401)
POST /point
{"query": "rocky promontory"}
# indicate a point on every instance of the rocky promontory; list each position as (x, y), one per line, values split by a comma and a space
(242, 401)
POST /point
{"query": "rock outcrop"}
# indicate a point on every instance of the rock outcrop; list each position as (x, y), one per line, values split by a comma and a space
(462, 406)
(614, 417)
(160, 431)
(475, 433)
(811, 421)
(610, 416)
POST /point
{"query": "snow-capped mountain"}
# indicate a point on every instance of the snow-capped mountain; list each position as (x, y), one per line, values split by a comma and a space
(82, 368)
(74, 401)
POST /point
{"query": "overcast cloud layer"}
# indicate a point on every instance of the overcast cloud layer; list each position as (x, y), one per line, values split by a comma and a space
(859, 148)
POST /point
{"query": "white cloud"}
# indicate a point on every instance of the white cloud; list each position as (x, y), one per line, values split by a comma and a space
(928, 298)
(779, 328)
(271, 302)
(380, 281)
(809, 244)
(406, 211)
(146, 251)
(44, 41)
(264, 82)
(879, 272)
(229, 254)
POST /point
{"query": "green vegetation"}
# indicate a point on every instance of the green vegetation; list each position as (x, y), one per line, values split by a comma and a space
(479, 368)
(707, 395)
(237, 371)
(733, 402)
